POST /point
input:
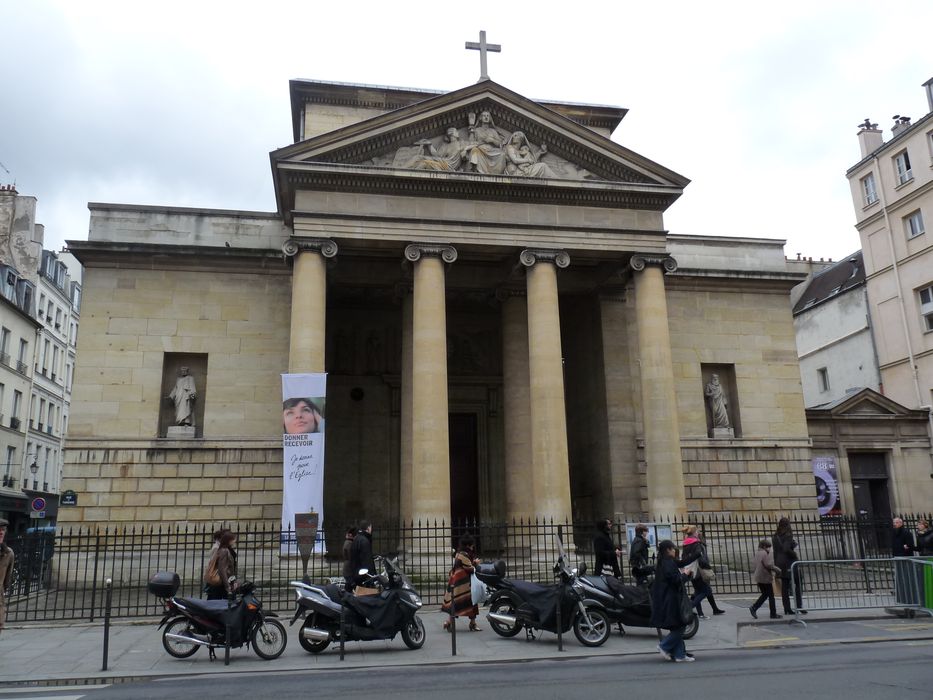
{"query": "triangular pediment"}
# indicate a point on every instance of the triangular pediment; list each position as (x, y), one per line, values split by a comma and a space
(484, 132)
(866, 402)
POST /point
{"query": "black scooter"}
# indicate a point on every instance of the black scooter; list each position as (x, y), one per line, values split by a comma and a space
(191, 623)
(518, 604)
(382, 615)
(625, 605)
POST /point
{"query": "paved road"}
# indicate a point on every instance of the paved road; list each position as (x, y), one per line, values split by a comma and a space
(877, 671)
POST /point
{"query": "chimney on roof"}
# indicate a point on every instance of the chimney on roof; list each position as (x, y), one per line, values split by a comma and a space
(900, 124)
(928, 86)
(869, 137)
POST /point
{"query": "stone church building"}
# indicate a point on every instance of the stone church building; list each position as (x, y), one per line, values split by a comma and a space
(508, 329)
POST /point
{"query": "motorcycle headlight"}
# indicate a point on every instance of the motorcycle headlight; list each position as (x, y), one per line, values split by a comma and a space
(415, 599)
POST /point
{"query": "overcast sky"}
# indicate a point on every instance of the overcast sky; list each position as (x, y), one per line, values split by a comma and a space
(180, 103)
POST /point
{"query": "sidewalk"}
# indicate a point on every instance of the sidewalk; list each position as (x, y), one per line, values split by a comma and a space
(53, 654)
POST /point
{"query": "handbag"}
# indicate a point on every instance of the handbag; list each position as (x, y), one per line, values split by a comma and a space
(707, 574)
(686, 607)
(478, 591)
(211, 574)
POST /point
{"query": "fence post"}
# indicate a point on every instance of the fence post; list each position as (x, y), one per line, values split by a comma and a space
(94, 580)
(109, 600)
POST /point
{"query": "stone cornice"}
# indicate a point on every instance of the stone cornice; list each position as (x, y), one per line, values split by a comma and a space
(167, 256)
(640, 261)
(325, 246)
(530, 256)
(415, 251)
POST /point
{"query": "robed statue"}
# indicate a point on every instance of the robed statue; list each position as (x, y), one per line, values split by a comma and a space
(183, 397)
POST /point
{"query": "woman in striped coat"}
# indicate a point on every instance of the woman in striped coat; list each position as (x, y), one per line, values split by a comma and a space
(459, 599)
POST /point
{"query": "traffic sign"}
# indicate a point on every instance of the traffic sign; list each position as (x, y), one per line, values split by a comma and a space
(38, 504)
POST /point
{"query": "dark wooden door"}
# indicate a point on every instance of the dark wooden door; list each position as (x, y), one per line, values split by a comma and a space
(464, 480)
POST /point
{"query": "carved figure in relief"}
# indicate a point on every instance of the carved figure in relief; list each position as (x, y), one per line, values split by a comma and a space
(485, 153)
(718, 406)
(445, 157)
(183, 397)
(522, 159)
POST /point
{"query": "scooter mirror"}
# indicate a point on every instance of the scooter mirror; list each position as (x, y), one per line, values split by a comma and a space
(362, 572)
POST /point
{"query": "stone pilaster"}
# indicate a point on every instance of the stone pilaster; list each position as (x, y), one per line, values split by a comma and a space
(517, 406)
(665, 476)
(405, 484)
(546, 385)
(309, 302)
(430, 460)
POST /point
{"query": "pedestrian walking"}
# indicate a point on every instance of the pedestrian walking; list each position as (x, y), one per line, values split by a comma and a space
(361, 553)
(701, 571)
(607, 553)
(924, 538)
(902, 546)
(220, 572)
(764, 574)
(670, 606)
(638, 555)
(348, 571)
(6, 570)
(785, 554)
(459, 598)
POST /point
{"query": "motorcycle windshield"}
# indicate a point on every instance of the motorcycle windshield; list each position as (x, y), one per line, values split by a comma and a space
(392, 568)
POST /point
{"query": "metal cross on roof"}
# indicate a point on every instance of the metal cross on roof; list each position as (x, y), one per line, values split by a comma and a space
(483, 47)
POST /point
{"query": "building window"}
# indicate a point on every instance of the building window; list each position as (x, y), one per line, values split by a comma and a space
(822, 375)
(926, 307)
(869, 192)
(5, 345)
(10, 459)
(902, 166)
(913, 224)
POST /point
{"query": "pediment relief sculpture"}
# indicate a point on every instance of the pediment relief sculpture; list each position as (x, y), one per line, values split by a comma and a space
(482, 147)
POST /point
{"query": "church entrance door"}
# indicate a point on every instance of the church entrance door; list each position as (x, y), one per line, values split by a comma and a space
(464, 477)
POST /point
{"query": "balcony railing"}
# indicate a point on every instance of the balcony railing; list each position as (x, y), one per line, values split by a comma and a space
(15, 423)
(5, 359)
(22, 368)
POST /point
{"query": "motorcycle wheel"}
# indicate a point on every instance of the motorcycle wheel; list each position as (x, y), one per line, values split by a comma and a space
(692, 627)
(595, 632)
(269, 639)
(309, 645)
(180, 650)
(413, 633)
(503, 606)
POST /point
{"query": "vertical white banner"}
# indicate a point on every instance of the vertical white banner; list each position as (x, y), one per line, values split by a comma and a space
(303, 417)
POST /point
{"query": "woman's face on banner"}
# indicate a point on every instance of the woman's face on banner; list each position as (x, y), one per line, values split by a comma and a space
(300, 418)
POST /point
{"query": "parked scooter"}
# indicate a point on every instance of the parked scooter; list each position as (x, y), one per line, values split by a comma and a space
(392, 610)
(516, 604)
(191, 623)
(625, 605)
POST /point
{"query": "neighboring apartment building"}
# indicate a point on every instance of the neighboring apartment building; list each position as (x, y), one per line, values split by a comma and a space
(833, 329)
(892, 188)
(39, 304)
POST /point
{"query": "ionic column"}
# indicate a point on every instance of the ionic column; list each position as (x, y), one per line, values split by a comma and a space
(405, 511)
(309, 302)
(519, 475)
(549, 456)
(430, 456)
(666, 494)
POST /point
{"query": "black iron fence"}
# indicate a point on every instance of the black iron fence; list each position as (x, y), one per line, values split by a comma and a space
(59, 576)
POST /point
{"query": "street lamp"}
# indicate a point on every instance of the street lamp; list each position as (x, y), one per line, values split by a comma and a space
(34, 468)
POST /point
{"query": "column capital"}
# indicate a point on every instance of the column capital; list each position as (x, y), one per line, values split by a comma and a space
(415, 251)
(530, 256)
(325, 246)
(639, 261)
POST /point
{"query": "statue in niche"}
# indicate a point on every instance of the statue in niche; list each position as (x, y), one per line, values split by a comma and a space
(446, 157)
(183, 397)
(484, 152)
(522, 160)
(718, 406)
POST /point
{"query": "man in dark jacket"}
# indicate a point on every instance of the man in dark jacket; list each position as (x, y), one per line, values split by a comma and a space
(638, 555)
(361, 553)
(902, 545)
(607, 554)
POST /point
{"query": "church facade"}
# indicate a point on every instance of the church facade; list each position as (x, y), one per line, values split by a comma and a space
(507, 327)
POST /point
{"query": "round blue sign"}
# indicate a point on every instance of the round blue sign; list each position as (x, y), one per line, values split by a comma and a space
(38, 504)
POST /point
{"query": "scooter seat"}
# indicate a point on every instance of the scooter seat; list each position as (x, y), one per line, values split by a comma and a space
(528, 589)
(205, 607)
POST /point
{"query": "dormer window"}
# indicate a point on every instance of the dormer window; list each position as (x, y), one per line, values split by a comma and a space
(902, 166)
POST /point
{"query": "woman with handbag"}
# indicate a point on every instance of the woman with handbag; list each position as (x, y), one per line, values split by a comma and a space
(221, 567)
(458, 600)
(785, 554)
(671, 608)
(701, 572)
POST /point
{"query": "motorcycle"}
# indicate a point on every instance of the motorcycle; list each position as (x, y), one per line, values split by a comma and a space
(625, 605)
(390, 611)
(515, 604)
(191, 623)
